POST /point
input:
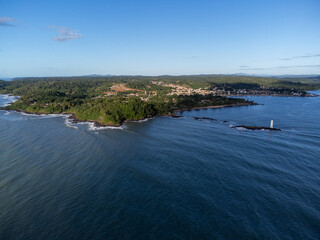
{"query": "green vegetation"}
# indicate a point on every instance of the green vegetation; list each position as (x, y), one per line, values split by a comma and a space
(87, 98)
(3, 84)
(210, 81)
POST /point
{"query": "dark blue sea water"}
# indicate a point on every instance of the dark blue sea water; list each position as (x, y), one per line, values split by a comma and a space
(164, 178)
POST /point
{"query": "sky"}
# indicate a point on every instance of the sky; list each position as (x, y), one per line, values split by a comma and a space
(158, 37)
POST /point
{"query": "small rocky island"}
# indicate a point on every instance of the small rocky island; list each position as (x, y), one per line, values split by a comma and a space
(258, 128)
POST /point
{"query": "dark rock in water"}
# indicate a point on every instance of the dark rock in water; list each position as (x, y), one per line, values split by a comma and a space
(204, 118)
(225, 121)
(176, 116)
(258, 128)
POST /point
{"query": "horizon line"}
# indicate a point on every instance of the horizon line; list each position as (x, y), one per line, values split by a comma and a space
(162, 75)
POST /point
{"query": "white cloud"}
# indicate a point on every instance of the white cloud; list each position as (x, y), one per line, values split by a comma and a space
(65, 34)
(7, 22)
(307, 55)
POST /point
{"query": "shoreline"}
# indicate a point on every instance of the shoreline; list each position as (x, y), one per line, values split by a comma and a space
(225, 105)
(274, 95)
(74, 119)
(173, 115)
(98, 124)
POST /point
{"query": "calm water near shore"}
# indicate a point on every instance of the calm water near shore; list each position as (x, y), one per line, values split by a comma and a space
(164, 178)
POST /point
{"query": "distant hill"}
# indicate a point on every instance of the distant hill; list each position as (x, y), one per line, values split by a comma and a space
(195, 81)
(299, 76)
(277, 76)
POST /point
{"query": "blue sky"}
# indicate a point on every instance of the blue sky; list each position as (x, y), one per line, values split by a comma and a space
(155, 37)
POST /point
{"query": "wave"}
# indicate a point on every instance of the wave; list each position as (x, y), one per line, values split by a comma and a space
(8, 99)
(7, 96)
(238, 128)
(69, 122)
(94, 127)
(142, 120)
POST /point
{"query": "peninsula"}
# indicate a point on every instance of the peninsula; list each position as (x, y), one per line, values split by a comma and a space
(110, 101)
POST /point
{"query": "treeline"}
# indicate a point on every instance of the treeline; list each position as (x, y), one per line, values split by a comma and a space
(194, 81)
(3, 84)
(211, 81)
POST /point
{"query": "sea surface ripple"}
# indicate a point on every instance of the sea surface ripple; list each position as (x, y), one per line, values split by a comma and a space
(164, 178)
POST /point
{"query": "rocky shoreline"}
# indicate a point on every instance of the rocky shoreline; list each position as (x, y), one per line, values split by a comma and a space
(173, 115)
(75, 120)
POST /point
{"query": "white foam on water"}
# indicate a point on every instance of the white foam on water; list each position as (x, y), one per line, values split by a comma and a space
(242, 129)
(71, 126)
(9, 98)
(92, 127)
(142, 120)
(70, 123)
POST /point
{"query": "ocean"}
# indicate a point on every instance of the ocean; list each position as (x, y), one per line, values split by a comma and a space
(164, 178)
